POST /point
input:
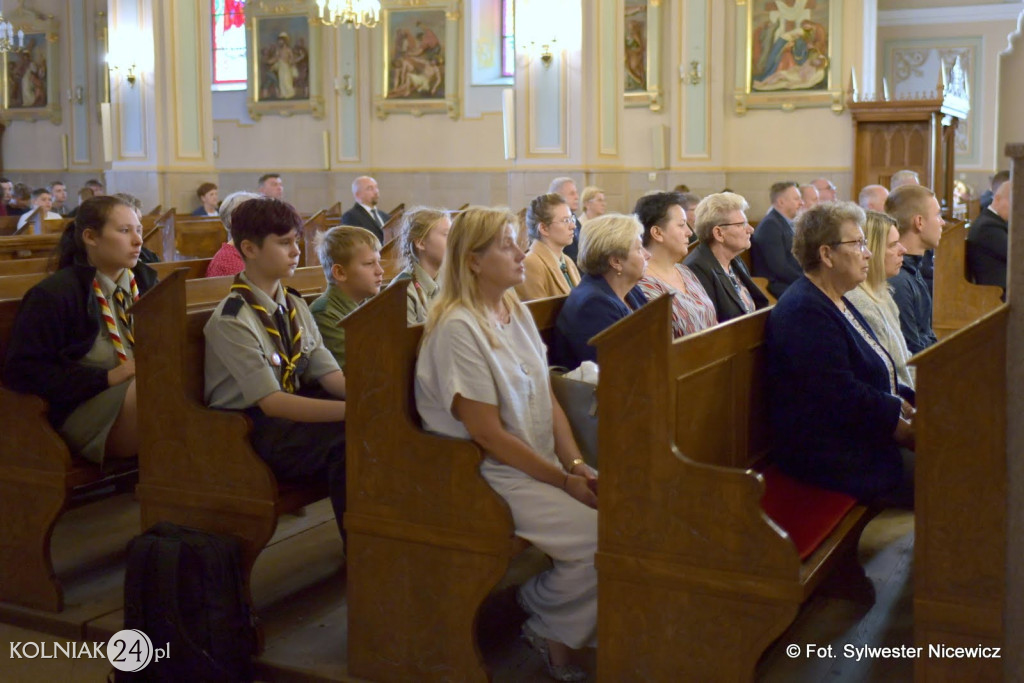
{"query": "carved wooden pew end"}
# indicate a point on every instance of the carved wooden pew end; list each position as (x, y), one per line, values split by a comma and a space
(696, 569)
(39, 480)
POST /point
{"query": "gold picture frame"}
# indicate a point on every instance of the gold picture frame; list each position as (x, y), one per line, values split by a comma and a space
(641, 63)
(420, 60)
(789, 55)
(30, 77)
(284, 58)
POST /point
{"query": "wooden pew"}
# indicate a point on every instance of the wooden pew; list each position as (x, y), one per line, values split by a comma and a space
(957, 302)
(27, 246)
(8, 224)
(695, 576)
(24, 266)
(428, 538)
(15, 286)
(393, 227)
(39, 480)
(321, 221)
(153, 232)
(762, 284)
(960, 516)
(205, 293)
(391, 260)
(196, 465)
(197, 237)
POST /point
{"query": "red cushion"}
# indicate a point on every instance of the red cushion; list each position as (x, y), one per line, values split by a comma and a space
(807, 513)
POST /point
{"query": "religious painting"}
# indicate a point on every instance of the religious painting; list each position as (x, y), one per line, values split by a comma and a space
(641, 50)
(791, 54)
(284, 58)
(420, 60)
(30, 79)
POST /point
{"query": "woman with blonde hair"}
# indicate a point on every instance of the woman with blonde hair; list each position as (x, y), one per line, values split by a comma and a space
(423, 238)
(613, 260)
(592, 201)
(549, 272)
(482, 375)
(873, 297)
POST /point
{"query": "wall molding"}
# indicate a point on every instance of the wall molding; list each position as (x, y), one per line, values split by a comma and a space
(968, 14)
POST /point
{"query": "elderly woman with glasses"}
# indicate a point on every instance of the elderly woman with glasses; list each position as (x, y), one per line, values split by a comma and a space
(841, 419)
(724, 233)
(549, 272)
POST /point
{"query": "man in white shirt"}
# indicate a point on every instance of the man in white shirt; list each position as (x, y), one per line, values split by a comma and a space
(59, 192)
(43, 201)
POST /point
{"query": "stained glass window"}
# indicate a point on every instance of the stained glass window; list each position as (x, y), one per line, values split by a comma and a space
(508, 38)
(229, 54)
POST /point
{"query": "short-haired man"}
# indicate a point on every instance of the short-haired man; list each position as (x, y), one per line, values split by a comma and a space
(365, 214)
(987, 241)
(809, 195)
(42, 200)
(904, 177)
(91, 188)
(872, 198)
(826, 189)
(270, 185)
(986, 197)
(771, 247)
(919, 220)
(59, 192)
(565, 187)
(265, 356)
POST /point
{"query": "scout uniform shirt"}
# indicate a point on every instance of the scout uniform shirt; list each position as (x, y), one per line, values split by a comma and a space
(243, 362)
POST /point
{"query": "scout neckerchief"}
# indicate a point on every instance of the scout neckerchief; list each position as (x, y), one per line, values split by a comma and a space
(127, 321)
(289, 352)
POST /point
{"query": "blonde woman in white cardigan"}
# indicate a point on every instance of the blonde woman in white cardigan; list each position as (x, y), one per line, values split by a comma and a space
(873, 297)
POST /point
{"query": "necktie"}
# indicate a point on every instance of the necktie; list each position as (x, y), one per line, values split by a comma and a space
(290, 350)
(376, 217)
(565, 272)
(127, 323)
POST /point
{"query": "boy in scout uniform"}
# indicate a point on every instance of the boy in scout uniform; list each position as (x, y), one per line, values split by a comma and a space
(351, 260)
(265, 356)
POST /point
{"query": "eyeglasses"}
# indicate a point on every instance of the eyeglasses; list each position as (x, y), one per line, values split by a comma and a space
(862, 244)
(727, 225)
(566, 221)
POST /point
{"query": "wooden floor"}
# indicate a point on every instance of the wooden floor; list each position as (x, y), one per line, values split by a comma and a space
(299, 584)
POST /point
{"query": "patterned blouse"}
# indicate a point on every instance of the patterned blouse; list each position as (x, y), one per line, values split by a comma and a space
(692, 310)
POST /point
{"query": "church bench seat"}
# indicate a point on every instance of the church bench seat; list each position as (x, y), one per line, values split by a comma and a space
(196, 465)
(956, 301)
(695, 571)
(428, 537)
(39, 480)
(15, 286)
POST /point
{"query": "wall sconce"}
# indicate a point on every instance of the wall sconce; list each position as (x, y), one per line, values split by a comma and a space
(545, 56)
(129, 74)
(694, 76)
(124, 62)
(544, 27)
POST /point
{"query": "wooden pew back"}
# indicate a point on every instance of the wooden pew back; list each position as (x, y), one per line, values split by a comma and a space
(8, 224)
(27, 246)
(957, 302)
(682, 531)
(393, 227)
(24, 266)
(197, 237)
(206, 293)
(423, 525)
(960, 514)
(15, 286)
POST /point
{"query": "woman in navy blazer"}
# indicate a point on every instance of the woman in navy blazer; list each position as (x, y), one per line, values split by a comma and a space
(613, 261)
(724, 233)
(840, 418)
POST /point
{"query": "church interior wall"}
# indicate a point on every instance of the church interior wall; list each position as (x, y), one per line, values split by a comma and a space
(438, 160)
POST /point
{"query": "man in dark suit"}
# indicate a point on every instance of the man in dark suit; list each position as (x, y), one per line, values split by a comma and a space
(987, 241)
(771, 249)
(566, 188)
(986, 196)
(365, 214)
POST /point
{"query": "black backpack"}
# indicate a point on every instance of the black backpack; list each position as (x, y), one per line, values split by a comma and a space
(185, 588)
